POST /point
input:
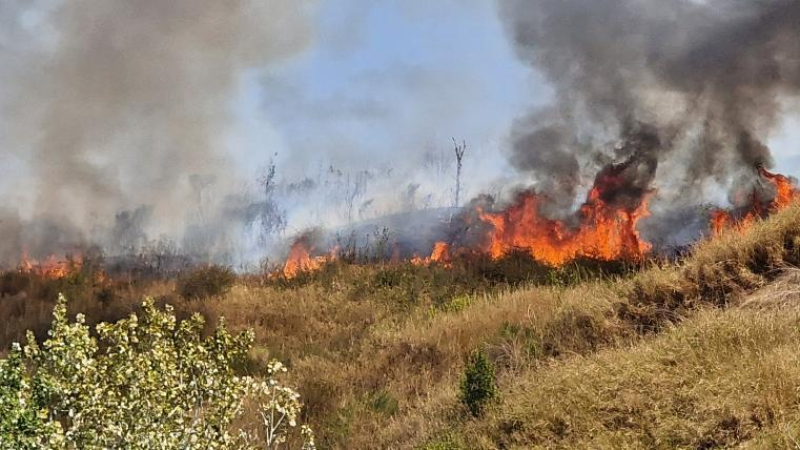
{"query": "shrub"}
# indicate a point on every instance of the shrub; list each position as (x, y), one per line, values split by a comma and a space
(478, 386)
(147, 382)
(205, 282)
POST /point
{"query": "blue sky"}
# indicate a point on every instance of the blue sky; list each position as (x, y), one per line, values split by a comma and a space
(384, 81)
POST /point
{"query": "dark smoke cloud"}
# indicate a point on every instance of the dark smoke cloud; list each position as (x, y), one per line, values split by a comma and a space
(687, 87)
(111, 105)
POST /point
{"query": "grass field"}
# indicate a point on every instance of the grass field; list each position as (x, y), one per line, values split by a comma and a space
(698, 353)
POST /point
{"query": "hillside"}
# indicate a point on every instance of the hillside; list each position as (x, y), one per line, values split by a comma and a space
(700, 353)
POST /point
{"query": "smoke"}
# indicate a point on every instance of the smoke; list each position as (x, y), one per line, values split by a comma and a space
(112, 105)
(690, 89)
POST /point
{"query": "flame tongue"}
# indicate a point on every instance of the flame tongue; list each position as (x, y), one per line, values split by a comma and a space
(300, 259)
(606, 226)
(785, 191)
(604, 232)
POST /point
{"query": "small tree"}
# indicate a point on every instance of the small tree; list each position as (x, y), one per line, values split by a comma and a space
(147, 382)
(478, 386)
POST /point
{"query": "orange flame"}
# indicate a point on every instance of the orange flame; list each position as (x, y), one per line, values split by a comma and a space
(441, 254)
(51, 267)
(604, 232)
(785, 193)
(301, 261)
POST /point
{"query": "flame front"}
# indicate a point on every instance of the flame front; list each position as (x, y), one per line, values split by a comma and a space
(604, 228)
(300, 259)
(51, 267)
(604, 232)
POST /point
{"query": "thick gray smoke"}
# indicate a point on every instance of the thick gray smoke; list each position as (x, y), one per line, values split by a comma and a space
(701, 79)
(114, 105)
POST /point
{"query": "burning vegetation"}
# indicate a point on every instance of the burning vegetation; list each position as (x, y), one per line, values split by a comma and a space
(781, 193)
(51, 267)
(604, 228)
(301, 260)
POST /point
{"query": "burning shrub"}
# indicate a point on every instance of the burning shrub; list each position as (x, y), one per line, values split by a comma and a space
(156, 381)
(205, 282)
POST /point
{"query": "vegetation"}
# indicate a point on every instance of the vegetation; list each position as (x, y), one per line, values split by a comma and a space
(478, 387)
(144, 383)
(698, 353)
(205, 282)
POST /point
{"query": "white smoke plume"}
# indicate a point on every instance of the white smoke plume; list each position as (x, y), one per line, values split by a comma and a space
(123, 105)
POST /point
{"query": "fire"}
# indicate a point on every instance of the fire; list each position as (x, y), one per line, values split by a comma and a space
(441, 254)
(300, 259)
(605, 227)
(785, 194)
(785, 191)
(604, 232)
(51, 267)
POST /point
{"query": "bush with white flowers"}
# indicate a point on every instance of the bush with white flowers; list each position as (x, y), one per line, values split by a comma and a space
(146, 382)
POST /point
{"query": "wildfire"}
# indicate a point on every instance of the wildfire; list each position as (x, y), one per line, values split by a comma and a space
(52, 267)
(441, 254)
(300, 259)
(785, 193)
(604, 232)
(603, 228)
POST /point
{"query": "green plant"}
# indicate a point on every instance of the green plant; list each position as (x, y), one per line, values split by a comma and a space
(383, 401)
(205, 282)
(457, 304)
(145, 382)
(478, 385)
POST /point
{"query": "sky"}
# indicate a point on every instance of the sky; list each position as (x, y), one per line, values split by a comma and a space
(89, 90)
(385, 81)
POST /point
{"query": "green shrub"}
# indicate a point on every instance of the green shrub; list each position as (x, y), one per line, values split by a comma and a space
(205, 282)
(149, 382)
(478, 386)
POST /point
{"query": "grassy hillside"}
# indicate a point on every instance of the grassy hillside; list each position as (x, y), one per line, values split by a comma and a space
(701, 353)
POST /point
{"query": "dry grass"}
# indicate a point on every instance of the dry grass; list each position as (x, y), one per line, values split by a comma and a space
(719, 272)
(694, 354)
(721, 378)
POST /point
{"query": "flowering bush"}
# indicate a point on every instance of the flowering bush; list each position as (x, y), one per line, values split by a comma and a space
(144, 383)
